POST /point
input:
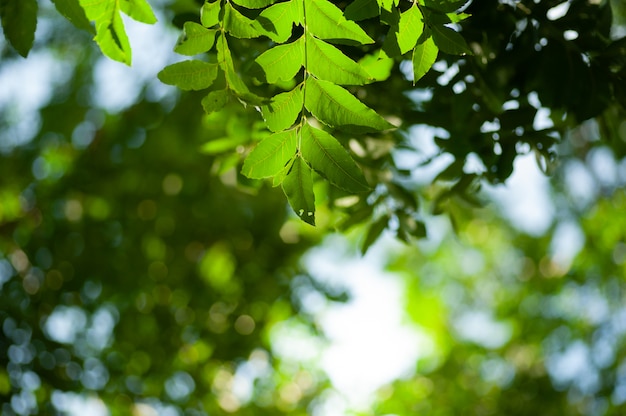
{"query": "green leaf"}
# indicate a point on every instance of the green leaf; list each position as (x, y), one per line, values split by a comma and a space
(362, 9)
(298, 186)
(326, 21)
(110, 33)
(238, 25)
(424, 56)
(373, 232)
(189, 75)
(280, 176)
(283, 110)
(233, 80)
(222, 145)
(276, 22)
(138, 10)
(283, 61)
(271, 155)
(410, 28)
(336, 107)
(329, 63)
(195, 39)
(215, 101)
(19, 21)
(254, 4)
(388, 4)
(378, 68)
(72, 11)
(210, 13)
(449, 41)
(328, 157)
(445, 6)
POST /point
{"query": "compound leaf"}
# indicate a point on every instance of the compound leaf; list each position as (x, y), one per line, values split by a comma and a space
(326, 21)
(276, 22)
(282, 62)
(329, 63)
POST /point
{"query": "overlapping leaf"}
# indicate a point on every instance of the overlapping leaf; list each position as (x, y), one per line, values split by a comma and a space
(271, 155)
(298, 186)
(329, 63)
(282, 62)
(283, 110)
(277, 21)
(424, 56)
(326, 21)
(195, 39)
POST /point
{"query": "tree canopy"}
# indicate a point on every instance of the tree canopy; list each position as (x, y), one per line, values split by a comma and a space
(149, 260)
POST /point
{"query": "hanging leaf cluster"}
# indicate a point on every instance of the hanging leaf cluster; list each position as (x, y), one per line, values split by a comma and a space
(313, 106)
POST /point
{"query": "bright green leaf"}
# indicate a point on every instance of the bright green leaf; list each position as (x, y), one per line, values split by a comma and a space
(379, 69)
(410, 28)
(254, 4)
(238, 25)
(388, 4)
(276, 22)
(449, 41)
(424, 56)
(328, 157)
(329, 63)
(233, 80)
(362, 9)
(336, 107)
(110, 33)
(138, 10)
(283, 109)
(326, 21)
(283, 61)
(19, 21)
(298, 186)
(189, 75)
(215, 101)
(195, 39)
(72, 11)
(210, 13)
(271, 155)
(280, 176)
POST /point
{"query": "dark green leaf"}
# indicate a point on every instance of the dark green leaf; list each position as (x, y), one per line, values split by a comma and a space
(298, 186)
(72, 11)
(449, 41)
(362, 9)
(19, 21)
(373, 232)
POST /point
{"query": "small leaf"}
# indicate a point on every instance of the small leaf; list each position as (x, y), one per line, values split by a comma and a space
(271, 155)
(19, 21)
(373, 232)
(336, 107)
(238, 25)
(195, 39)
(379, 69)
(449, 41)
(424, 56)
(326, 21)
(72, 11)
(276, 22)
(283, 61)
(254, 4)
(329, 63)
(283, 109)
(410, 28)
(362, 9)
(328, 157)
(222, 145)
(189, 75)
(210, 13)
(298, 186)
(215, 101)
(233, 80)
(138, 10)
(110, 32)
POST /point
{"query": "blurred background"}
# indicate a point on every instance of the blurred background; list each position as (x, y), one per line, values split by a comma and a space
(141, 274)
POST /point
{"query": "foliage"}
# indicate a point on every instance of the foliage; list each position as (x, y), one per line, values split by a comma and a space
(150, 230)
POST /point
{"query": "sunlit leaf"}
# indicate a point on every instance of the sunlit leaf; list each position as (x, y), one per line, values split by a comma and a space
(329, 63)
(210, 13)
(189, 75)
(424, 56)
(110, 32)
(254, 4)
(195, 39)
(336, 107)
(138, 10)
(328, 157)
(271, 155)
(298, 186)
(283, 109)
(283, 61)
(410, 28)
(326, 21)
(379, 69)
(276, 22)
(239, 25)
